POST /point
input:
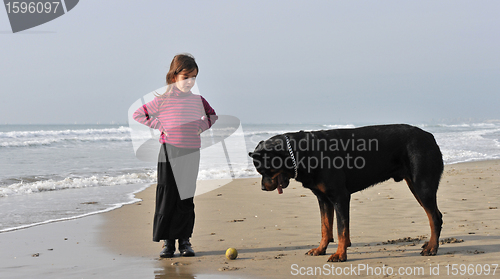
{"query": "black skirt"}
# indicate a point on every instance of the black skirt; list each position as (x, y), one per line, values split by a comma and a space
(174, 211)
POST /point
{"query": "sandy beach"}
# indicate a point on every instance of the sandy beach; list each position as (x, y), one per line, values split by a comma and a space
(273, 232)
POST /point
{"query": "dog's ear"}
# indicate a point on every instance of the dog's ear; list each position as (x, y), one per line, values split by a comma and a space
(254, 154)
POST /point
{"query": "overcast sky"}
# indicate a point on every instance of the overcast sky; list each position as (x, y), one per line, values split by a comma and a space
(322, 62)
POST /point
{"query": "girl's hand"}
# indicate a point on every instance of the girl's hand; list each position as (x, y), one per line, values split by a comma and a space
(199, 132)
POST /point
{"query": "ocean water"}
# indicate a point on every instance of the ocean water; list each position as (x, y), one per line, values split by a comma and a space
(58, 172)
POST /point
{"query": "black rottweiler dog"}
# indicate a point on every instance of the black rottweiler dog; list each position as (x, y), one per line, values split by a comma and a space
(333, 164)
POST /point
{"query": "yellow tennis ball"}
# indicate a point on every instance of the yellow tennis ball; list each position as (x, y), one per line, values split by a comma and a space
(231, 254)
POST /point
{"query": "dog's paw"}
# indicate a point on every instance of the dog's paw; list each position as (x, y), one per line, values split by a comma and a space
(429, 250)
(338, 257)
(316, 252)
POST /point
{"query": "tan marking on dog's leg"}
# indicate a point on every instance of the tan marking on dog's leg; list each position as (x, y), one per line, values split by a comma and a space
(430, 247)
(326, 230)
(344, 242)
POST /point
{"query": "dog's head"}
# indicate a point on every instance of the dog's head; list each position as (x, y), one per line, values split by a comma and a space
(272, 160)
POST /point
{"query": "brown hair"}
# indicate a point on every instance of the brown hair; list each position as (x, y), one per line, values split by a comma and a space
(181, 62)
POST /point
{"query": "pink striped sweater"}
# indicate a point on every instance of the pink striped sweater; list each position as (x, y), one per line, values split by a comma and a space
(179, 117)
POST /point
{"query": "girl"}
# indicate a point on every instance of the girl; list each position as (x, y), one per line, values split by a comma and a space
(181, 116)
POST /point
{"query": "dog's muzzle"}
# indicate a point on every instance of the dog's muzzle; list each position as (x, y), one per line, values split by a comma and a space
(279, 182)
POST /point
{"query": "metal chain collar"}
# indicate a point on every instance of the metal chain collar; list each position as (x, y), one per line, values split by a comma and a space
(291, 155)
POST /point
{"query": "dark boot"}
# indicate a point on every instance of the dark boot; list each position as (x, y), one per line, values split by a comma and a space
(185, 248)
(168, 249)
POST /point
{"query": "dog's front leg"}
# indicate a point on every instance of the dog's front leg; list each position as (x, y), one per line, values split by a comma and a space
(344, 240)
(326, 210)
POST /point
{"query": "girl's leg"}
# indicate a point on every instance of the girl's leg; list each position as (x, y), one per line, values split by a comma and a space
(185, 164)
(185, 167)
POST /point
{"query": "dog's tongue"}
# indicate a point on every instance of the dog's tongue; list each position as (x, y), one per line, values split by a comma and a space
(280, 189)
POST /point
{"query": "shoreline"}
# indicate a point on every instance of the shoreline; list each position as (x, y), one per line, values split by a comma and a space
(271, 232)
(208, 183)
(132, 197)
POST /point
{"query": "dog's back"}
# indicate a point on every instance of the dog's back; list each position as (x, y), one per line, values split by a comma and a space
(371, 154)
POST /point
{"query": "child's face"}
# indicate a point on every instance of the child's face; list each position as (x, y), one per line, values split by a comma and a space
(185, 80)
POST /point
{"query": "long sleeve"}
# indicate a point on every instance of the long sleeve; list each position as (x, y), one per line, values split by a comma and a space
(210, 118)
(147, 114)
